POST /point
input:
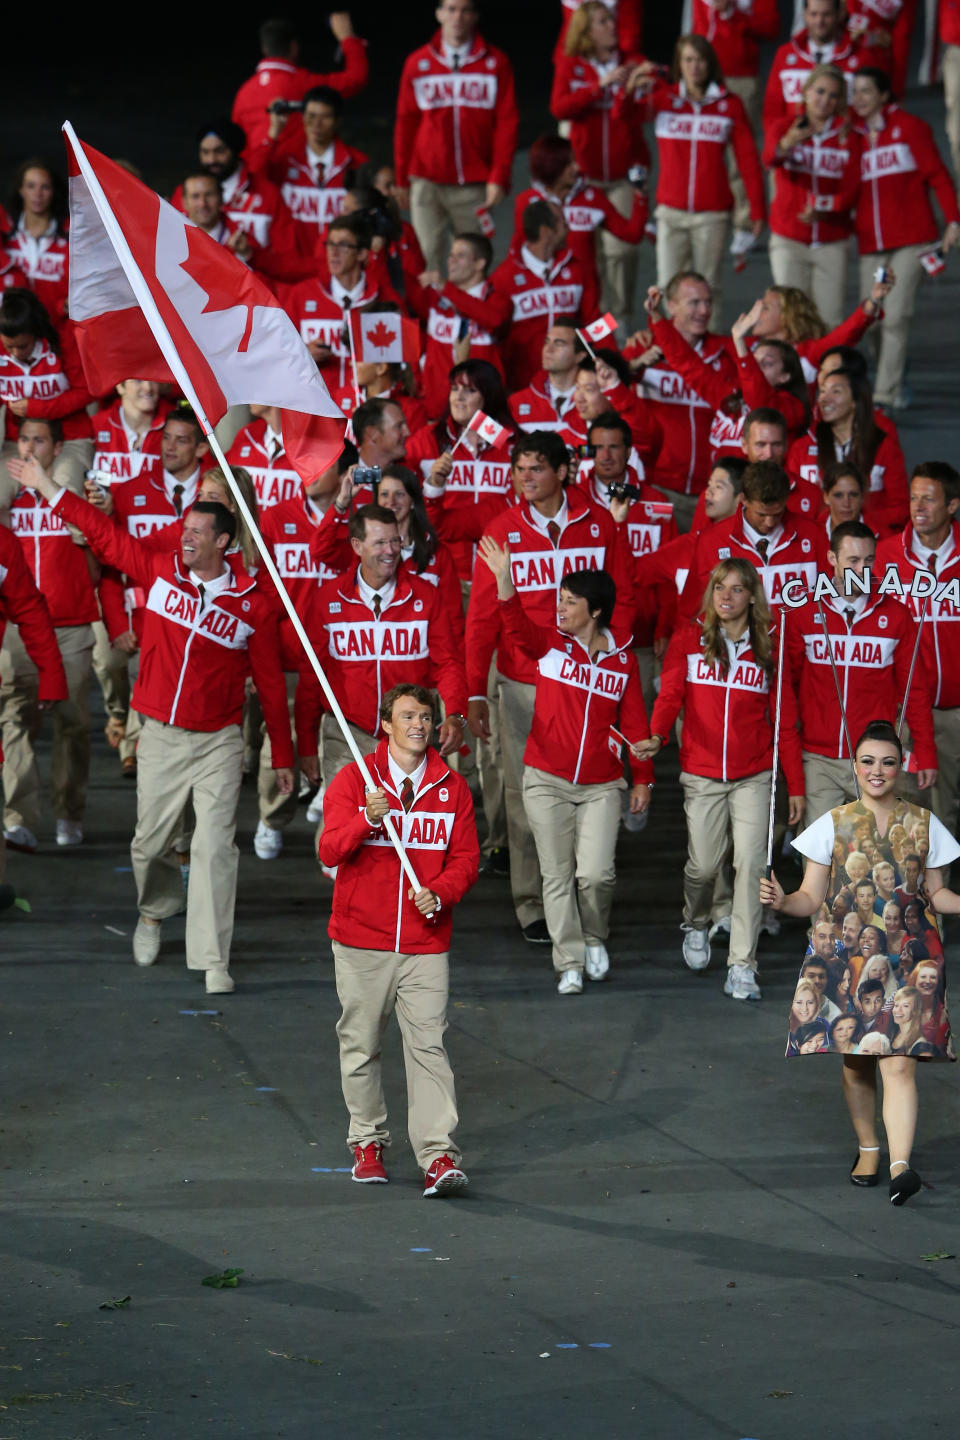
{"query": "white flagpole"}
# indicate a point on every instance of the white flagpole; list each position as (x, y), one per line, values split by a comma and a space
(170, 353)
(776, 742)
(587, 346)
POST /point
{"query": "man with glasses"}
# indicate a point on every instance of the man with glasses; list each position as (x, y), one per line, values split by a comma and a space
(320, 310)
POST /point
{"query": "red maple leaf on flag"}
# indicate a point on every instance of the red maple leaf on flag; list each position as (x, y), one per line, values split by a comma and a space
(382, 336)
(206, 269)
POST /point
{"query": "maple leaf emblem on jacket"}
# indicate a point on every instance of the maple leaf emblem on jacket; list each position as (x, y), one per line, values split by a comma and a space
(205, 264)
(381, 336)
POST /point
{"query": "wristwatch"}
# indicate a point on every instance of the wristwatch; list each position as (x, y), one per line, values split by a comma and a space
(460, 719)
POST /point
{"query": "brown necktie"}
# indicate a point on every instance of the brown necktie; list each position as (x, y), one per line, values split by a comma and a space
(554, 532)
(850, 613)
(377, 603)
(178, 499)
(406, 793)
(932, 564)
(763, 546)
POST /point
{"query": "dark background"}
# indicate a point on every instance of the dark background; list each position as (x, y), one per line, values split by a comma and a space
(142, 93)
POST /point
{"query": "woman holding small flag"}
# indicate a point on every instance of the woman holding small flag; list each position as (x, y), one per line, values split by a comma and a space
(588, 702)
(720, 668)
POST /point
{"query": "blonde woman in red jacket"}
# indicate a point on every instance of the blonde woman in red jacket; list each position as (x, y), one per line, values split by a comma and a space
(721, 670)
(817, 164)
(573, 769)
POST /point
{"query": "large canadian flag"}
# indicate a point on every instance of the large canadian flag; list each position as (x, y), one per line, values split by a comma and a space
(154, 297)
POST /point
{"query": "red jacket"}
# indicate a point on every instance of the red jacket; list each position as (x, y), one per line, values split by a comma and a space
(684, 461)
(319, 316)
(735, 36)
(58, 565)
(45, 262)
(727, 719)
(872, 659)
(371, 908)
(586, 210)
(798, 554)
(274, 477)
(311, 206)
(894, 18)
(899, 166)
(281, 80)
(535, 303)
(886, 505)
(11, 276)
(577, 701)
(534, 408)
(588, 541)
(606, 127)
(194, 663)
(253, 204)
(456, 127)
(471, 480)
(348, 399)
(22, 603)
(791, 65)
(823, 172)
(288, 528)
(113, 455)
(52, 384)
(445, 314)
(940, 640)
(645, 428)
(692, 140)
(649, 524)
(412, 641)
(948, 22)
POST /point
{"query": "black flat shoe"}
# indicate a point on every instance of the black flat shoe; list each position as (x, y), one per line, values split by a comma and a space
(867, 1181)
(904, 1185)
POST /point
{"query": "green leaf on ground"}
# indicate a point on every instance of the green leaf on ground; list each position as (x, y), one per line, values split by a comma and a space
(24, 905)
(119, 1304)
(938, 1255)
(226, 1280)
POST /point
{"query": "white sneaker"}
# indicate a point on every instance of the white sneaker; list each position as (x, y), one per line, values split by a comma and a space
(720, 931)
(770, 924)
(306, 789)
(597, 962)
(218, 981)
(267, 842)
(742, 242)
(20, 838)
(570, 983)
(69, 832)
(696, 948)
(315, 808)
(146, 943)
(330, 871)
(741, 983)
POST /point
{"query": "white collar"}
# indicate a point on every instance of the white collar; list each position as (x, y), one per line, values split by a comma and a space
(942, 552)
(460, 53)
(553, 395)
(540, 268)
(189, 491)
(712, 92)
(561, 518)
(134, 441)
(857, 603)
(324, 159)
(754, 535)
(213, 587)
(398, 776)
(269, 437)
(339, 292)
(367, 592)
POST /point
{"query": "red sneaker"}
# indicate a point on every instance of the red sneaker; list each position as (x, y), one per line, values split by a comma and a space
(367, 1165)
(444, 1178)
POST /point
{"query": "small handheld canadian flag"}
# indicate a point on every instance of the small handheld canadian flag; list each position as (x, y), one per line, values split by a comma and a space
(488, 429)
(601, 328)
(384, 337)
(485, 219)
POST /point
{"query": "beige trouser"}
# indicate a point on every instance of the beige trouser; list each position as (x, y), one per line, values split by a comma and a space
(950, 66)
(110, 666)
(747, 89)
(227, 429)
(174, 767)
(828, 783)
(490, 765)
(20, 722)
(335, 752)
(944, 799)
(516, 718)
(371, 984)
(440, 212)
(718, 812)
(575, 828)
(277, 809)
(617, 259)
(820, 271)
(898, 310)
(693, 240)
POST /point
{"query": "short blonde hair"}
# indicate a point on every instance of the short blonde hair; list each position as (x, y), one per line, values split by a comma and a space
(578, 40)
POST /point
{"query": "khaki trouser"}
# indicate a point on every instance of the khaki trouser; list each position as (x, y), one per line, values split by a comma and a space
(717, 812)
(747, 89)
(828, 783)
(944, 799)
(277, 809)
(575, 828)
(490, 766)
(693, 240)
(227, 429)
(440, 212)
(617, 259)
(898, 308)
(20, 721)
(371, 984)
(335, 752)
(110, 667)
(820, 271)
(175, 766)
(950, 66)
(516, 718)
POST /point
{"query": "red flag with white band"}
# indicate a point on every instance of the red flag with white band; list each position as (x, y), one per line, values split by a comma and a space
(154, 296)
(489, 430)
(600, 329)
(384, 337)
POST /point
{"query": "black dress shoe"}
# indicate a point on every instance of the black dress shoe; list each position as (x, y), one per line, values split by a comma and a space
(7, 896)
(536, 933)
(904, 1185)
(868, 1181)
(496, 863)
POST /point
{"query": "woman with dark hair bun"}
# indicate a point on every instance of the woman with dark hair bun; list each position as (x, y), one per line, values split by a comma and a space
(39, 219)
(893, 1018)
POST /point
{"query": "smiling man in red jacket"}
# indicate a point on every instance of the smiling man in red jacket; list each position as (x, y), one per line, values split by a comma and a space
(391, 943)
